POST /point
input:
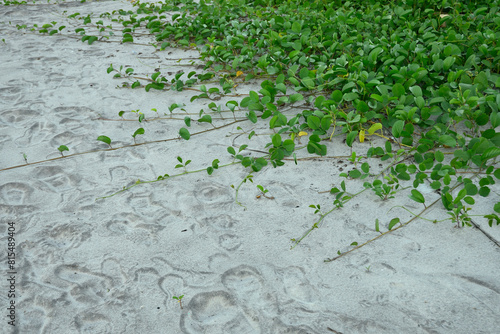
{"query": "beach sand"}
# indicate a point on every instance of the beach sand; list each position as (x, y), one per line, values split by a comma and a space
(114, 265)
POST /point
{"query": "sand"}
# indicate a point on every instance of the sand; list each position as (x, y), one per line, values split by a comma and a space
(114, 265)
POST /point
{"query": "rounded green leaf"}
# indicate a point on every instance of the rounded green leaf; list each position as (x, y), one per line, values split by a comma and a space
(416, 91)
(337, 96)
(254, 96)
(484, 191)
(139, 131)
(63, 148)
(362, 106)
(420, 102)
(354, 173)
(276, 140)
(397, 128)
(448, 62)
(398, 90)
(104, 139)
(184, 133)
(252, 116)
(314, 122)
(205, 119)
(417, 196)
(447, 140)
(439, 156)
(471, 189)
(469, 200)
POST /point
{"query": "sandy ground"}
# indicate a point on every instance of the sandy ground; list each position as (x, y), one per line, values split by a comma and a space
(114, 265)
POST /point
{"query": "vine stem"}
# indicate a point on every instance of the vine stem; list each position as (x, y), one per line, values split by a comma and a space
(402, 225)
(382, 234)
(138, 182)
(316, 225)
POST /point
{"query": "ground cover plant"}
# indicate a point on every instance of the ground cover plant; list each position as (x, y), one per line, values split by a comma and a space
(424, 76)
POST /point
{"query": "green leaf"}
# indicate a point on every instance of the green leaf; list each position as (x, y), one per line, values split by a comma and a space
(139, 131)
(276, 139)
(337, 96)
(296, 97)
(365, 167)
(205, 119)
(254, 96)
(377, 225)
(187, 121)
(388, 146)
(314, 122)
(484, 191)
(439, 156)
(231, 150)
(416, 91)
(350, 96)
(448, 62)
(417, 196)
(362, 106)
(398, 90)
(490, 153)
(447, 140)
(397, 128)
(469, 200)
(184, 133)
(104, 139)
(420, 102)
(372, 57)
(350, 138)
(354, 173)
(252, 116)
(392, 223)
(497, 207)
(63, 148)
(497, 173)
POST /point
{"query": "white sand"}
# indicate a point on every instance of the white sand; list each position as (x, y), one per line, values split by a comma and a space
(113, 265)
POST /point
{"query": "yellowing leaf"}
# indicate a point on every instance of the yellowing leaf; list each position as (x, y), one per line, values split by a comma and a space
(239, 73)
(302, 133)
(361, 136)
(374, 127)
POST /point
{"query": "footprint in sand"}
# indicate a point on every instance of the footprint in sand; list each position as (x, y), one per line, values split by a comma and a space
(90, 322)
(85, 287)
(297, 286)
(247, 285)
(209, 193)
(215, 312)
(16, 193)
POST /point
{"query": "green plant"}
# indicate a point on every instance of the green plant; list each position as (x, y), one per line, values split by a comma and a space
(105, 139)
(263, 192)
(182, 164)
(179, 299)
(61, 149)
(429, 85)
